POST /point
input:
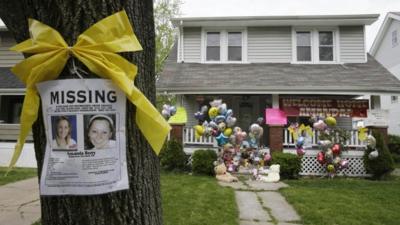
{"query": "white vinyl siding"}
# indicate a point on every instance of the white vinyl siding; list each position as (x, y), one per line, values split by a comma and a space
(352, 45)
(269, 44)
(192, 44)
(8, 58)
(191, 106)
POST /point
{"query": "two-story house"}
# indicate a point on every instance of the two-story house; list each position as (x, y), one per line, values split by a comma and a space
(295, 63)
(386, 50)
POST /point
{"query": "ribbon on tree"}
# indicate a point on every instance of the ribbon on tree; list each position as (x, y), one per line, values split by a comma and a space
(96, 48)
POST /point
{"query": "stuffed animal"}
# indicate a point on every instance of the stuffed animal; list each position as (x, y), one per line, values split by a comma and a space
(222, 175)
(273, 174)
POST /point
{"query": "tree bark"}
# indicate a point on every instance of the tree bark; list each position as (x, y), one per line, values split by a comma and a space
(141, 204)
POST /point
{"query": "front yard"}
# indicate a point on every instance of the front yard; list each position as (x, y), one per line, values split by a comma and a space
(342, 201)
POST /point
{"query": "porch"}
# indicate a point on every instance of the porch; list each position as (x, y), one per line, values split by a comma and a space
(310, 166)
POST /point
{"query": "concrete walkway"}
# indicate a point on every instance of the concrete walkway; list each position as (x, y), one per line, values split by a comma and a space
(259, 203)
(19, 202)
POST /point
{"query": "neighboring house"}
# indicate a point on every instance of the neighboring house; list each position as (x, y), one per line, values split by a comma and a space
(386, 50)
(295, 63)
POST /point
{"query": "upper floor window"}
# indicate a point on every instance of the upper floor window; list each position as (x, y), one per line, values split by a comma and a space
(394, 99)
(394, 39)
(224, 46)
(314, 46)
(234, 46)
(303, 46)
(213, 46)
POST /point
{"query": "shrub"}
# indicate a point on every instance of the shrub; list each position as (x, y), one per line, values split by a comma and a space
(381, 165)
(203, 162)
(394, 144)
(172, 156)
(290, 164)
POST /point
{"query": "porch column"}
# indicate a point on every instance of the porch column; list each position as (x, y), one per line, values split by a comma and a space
(177, 132)
(275, 131)
(276, 137)
(376, 104)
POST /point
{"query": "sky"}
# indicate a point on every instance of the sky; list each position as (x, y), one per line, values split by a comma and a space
(208, 8)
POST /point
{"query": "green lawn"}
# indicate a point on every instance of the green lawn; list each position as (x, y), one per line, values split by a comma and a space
(197, 200)
(343, 201)
(16, 174)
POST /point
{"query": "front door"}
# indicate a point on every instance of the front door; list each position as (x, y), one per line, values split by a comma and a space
(245, 115)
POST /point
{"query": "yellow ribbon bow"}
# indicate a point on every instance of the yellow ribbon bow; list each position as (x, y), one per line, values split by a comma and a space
(96, 48)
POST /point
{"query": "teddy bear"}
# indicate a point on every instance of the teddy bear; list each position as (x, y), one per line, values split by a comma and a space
(222, 175)
(273, 174)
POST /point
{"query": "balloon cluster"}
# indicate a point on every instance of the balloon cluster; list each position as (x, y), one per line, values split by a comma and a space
(168, 111)
(239, 148)
(299, 134)
(371, 143)
(330, 154)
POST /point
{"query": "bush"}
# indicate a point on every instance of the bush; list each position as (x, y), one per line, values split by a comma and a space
(394, 144)
(172, 156)
(396, 158)
(381, 165)
(290, 164)
(203, 162)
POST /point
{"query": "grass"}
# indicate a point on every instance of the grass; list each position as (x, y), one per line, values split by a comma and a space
(197, 200)
(16, 174)
(342, 201)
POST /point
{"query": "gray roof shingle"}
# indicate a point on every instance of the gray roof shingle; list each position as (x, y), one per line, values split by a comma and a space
(352, 78)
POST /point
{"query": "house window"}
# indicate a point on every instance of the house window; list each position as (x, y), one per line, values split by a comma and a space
(394, 39)
(325, 45)
(314, 46)
(234, 46)
(213, 46)
(395, 99)
(303, 46)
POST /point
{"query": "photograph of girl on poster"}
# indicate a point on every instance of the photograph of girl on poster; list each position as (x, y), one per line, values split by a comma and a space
(64, 132)
(100, 131)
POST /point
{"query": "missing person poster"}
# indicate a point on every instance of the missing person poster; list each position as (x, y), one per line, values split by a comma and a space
(85, 130)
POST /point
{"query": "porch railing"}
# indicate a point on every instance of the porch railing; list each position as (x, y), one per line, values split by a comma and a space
(189, 138)
(353, 142)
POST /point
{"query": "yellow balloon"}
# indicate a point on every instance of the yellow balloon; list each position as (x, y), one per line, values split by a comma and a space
(330, 168)
(228, 132)
(199, 131)
(330, 121)
(213, 112)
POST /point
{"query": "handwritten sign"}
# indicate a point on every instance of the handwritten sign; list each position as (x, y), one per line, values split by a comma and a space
(275, 117)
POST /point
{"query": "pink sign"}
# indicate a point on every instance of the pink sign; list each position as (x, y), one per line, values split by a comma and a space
(275, 117)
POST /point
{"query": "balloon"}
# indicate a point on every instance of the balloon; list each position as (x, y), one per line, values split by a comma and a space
(330, 168)
(267, 157)
(199, 116)
(165, 114)
(213, 112)
(336, 149)
(300, 151)
(330, 121)
(344, 164)
(216, 103)
(222, 139)
(214, 132)
(336, 160)
(172, 110)
(371, 141)
(325, 143)
(213, 125)
(256, 130)
(199, 131)
(204, 109)
(321, 157)
(319, 125)
(329, 154)
(229, 113)
(300, 141)
(228, 132)
(230, 121)
(374, 154)
(219, 119)
(222, 109)
(260, 120)
(221, 126)
(237, 129)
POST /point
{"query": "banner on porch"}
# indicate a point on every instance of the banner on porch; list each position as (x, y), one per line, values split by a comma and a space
(324, 107)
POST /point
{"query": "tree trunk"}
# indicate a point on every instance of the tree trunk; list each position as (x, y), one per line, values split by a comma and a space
(141, 204)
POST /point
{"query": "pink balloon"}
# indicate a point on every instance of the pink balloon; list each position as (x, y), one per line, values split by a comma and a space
(344, 164)
(267, 157)
(300, 151)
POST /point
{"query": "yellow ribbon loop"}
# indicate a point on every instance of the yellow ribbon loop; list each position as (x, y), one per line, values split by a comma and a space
(95, 48)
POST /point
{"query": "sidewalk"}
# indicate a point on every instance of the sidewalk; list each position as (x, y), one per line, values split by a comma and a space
(19, 202)
(259, 203)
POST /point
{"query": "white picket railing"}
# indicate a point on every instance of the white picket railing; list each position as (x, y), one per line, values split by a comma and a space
(189, 137)
(353, 142)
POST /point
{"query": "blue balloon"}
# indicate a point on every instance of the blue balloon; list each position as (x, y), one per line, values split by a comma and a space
(300, 141)
(222, 139)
